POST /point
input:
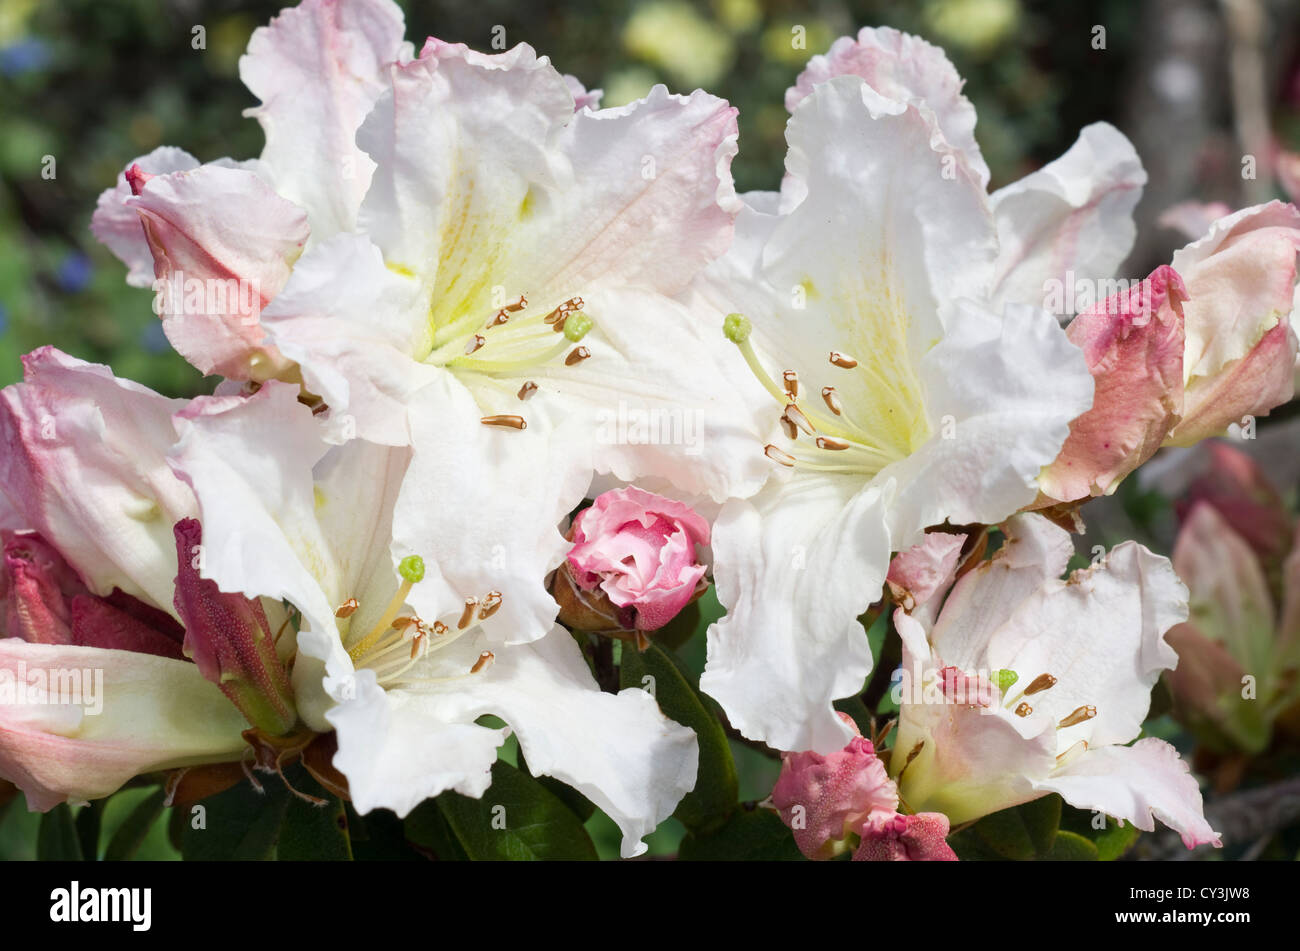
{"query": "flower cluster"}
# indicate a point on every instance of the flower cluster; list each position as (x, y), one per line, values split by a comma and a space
(402, 519)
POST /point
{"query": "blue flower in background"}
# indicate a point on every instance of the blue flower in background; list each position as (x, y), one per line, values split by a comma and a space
(26, 56)
(4, 318)
(153, 339)
(74, 272)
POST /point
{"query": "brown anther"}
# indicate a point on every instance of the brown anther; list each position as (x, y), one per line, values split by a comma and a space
(558, 315)
(1024, 709)
(778, 455)
(795, 415)
(490, 604)
(527, 390)
(1039, 684)
(830, 442)
(510, 422)
(484, 661)
(576, 356)
(832, 400)
(347, 608)
(791, 380)
(642, 640)
(467, 615)
(843, 360)
(439, 629)
(1078, 716)
(503, 315)
(402, 623)
(474, 343)
(789, 428)
(416, 642)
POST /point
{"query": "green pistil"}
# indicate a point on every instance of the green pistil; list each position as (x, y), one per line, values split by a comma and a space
(737, 328)
(576, 325)
(1004, 679)
(411, 568)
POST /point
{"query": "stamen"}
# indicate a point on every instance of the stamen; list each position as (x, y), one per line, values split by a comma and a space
(790, 429)
(504, 313)
(558, 315)
(1039, 684)
(795, 415)
(1024, 709)
(527, 390)
(490, 605)
(467, 615)
(411, 569)
(832, 400)
(830, 442)
(843, 360)
(1080, 715)
(778, 455)
(791, 380)
(484, 661)
(576, 356)
(475, 342)
(506, 420)
(347, 608)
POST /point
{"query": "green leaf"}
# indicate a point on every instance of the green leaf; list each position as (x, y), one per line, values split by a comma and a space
(517, 819)
(239, 824)
(681, 628)
(1042, 819)
(57, 839)
(1112, 839)
(312, 833)
(756, 835)
(378, 836)
(578, 804)
(131, 833)
(714, 797)
(1006, 834)
(427, 828)
(1071, 847)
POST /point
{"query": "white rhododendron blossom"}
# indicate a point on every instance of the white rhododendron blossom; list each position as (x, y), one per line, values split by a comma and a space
(1027, 685)
(882, 302)
(398, 659)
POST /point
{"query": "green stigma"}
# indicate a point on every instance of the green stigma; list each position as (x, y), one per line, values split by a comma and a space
(737, 328)
(411, 568)
(576, 325)
(1004, 679)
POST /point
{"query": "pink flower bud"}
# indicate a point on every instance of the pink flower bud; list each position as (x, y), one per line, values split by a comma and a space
(228, 637)
(637, 549)
(824, 798)
(899, 838)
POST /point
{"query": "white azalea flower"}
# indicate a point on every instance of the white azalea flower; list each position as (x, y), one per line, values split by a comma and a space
(882, 294)
(392, 653)
(1027, 685)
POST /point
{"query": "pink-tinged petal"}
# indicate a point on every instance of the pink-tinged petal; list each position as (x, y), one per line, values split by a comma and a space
(1193, 218)
(1238, 488)
(83, 461)
(137, 713)
(223, 243)
(118, 226)
(899, 838)
(318, 69)
(823, 798)
(1070, 222)
(97, 623)
(1240, 281)
(227, 635)
(583, 98)
(1139, 784)
(1133, 343)
(907, 69)
(1252, 386)
(37, 585)
(1229, 593)
(924, 571)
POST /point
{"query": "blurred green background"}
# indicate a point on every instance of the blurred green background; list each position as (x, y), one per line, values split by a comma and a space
(93, 84)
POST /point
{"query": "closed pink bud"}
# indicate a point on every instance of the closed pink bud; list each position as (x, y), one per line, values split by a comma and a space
(899, 838)
(823, 798)
(638, 550)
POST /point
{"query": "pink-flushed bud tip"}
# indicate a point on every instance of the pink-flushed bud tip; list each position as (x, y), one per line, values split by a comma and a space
(137, 178)
(227, 635)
